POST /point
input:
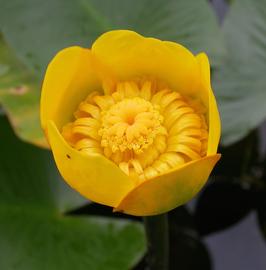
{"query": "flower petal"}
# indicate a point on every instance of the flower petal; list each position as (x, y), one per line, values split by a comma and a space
(131, 55)
(214, 117)
(70, 77)
(165, 192)
(93, 176)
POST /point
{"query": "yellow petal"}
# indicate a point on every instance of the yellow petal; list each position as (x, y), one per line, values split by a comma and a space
(167, 191)
(70, 77)
(132, 55)
(92, 175)
(213, 113)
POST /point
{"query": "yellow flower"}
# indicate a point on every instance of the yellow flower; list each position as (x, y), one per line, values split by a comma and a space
(132, 122)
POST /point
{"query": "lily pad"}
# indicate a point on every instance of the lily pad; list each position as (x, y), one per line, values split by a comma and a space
(35, 234)
(240, 82)
(37, 29)
(19, 95)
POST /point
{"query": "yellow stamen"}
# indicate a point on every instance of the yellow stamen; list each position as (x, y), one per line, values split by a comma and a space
(146, 130)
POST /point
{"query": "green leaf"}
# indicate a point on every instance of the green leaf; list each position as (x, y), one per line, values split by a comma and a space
(36, 235)
(240, 82)
(19, 94)
(37, 29)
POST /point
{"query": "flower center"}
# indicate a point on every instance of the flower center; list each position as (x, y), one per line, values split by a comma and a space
(131, 124)
(145, 130)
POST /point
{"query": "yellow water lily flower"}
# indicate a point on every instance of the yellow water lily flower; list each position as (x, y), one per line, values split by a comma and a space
(132, 122)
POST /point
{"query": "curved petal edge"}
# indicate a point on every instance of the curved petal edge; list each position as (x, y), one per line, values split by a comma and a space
(213, 113)
(93, 176)
(166, 192)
